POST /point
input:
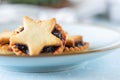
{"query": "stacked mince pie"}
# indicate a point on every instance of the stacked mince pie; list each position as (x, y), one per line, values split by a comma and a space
(36, 37)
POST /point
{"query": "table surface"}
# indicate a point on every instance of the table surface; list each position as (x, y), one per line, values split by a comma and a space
(104, 68)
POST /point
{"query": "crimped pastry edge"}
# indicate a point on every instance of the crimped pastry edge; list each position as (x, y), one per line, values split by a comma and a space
(68, 50)
(6, 49)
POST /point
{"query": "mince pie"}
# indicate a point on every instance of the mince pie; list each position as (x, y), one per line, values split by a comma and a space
(4, 43)
(38, 37)
(75, 44)
(4, 37)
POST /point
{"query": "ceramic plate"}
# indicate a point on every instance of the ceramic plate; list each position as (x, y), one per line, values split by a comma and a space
(102, 41)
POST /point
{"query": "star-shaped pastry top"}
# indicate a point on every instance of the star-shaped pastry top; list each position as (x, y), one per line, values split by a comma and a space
(36, 35)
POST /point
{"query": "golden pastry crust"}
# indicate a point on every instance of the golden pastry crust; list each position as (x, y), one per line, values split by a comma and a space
(83, 48)
(70, 40)
(36, 35)
(6, 49)
(72, 47)
(4, 37)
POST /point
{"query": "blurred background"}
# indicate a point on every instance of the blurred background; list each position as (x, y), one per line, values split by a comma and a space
(100, 12)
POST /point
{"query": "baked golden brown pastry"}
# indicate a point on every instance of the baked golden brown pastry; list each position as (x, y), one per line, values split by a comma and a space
(4, 43)
(37, 37)
(4, 37)
(6, 49)
(75, 44)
